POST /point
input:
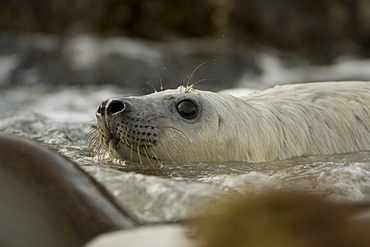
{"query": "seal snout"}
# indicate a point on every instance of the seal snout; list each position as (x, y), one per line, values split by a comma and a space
(112, 106)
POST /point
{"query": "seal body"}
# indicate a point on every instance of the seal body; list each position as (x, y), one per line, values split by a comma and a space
(187, 125)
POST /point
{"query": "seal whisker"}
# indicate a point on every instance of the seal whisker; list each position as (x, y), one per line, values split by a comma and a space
(172, 144)
(92, 136)
(96, 148)
(170, 127)
(160, 116)
(131, 154)
(189, 87)
(160, 80)
(195, 83)
(158, 127)
(146, 155)
(154, 155)
(167, 153)
(149, 158)
(149, 83)
(138, 154)
(126, 142)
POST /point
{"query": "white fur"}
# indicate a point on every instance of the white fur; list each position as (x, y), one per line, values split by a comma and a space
(281, 122)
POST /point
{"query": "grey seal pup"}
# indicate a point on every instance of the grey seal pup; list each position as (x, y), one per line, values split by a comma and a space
(188, 125)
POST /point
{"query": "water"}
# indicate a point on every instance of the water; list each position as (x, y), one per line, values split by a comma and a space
(61, 118)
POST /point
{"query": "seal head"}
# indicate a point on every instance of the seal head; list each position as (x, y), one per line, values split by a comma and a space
(163, 126)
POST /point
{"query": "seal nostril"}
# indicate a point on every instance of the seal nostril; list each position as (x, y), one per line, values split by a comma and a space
(116, 106)
(98, 111)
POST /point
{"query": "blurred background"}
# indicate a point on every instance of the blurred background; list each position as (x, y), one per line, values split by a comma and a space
(136, 43)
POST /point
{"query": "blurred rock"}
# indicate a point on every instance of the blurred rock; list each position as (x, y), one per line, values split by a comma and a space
(78, 60)
(316, 29)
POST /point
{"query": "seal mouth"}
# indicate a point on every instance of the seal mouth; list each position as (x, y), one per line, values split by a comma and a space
(129, 139)
(141, 153)
(126, 151)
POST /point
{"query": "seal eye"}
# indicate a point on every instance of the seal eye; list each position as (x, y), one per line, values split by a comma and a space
(187, 109)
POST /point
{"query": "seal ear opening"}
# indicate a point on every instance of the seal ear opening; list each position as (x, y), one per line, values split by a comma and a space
(220, 121)
(187, 109)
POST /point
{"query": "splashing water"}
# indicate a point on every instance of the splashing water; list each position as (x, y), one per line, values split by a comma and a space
(62, 119)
